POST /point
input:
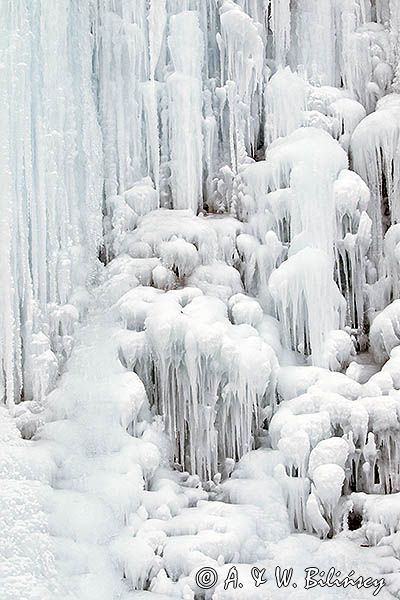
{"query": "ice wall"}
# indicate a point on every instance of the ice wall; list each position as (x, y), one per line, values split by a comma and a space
(244, 158)
(132, 82)
(51, 165)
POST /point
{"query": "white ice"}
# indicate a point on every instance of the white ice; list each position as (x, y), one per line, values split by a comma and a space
(199, 308)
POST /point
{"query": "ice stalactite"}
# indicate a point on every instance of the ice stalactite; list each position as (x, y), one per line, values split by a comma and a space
(354, 237)
(374, 149)
(368, 78)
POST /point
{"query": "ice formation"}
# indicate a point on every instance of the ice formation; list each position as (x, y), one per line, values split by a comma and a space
(51, 164)
(199, 272)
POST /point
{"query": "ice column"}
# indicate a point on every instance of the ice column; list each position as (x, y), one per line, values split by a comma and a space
(122, 66)
(242, 59)
(186, 46)
(314, 41)
(280, 25)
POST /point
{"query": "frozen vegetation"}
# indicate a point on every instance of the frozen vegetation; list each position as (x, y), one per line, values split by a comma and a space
(200, 296)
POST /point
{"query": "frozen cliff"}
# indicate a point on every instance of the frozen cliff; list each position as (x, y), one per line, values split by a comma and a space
(200, 298)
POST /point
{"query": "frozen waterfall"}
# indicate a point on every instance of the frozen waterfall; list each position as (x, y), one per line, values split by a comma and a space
(200, 297)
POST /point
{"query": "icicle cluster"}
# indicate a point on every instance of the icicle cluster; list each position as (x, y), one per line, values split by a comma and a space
(205, 365)
(51, 166)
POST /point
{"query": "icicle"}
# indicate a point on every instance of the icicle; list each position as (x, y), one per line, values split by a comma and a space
(122, 56)
(242, 55)
(157, 19)
(353, 242)
(374, 149)
(280, 26)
